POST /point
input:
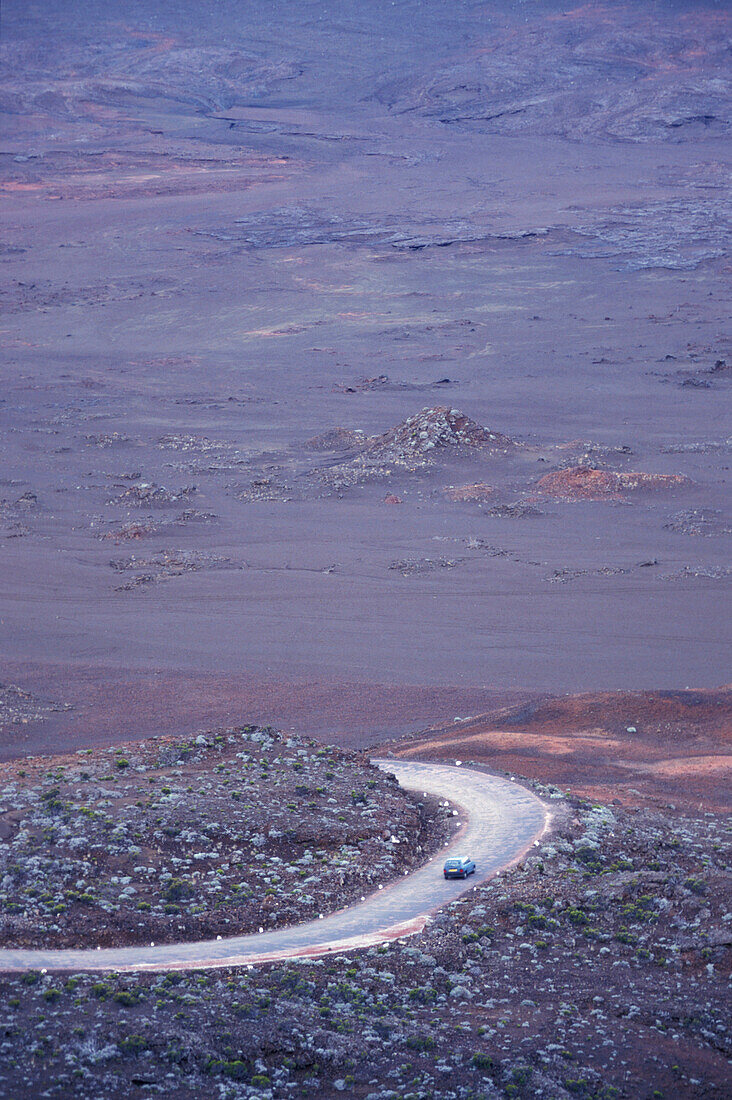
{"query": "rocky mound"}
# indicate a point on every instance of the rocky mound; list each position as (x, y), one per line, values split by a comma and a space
(434, 429)
(411, 445)
(470, 494)
(337, 439)
(589, 483)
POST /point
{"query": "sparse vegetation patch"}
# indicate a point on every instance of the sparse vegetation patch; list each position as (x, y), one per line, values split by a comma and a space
(223, 833)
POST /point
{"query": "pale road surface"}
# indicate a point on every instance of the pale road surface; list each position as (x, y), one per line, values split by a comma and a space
(500, 820)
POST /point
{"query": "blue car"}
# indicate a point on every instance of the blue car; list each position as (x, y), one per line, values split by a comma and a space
(460, 867)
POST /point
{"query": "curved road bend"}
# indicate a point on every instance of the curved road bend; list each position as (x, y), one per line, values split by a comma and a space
(500, 820)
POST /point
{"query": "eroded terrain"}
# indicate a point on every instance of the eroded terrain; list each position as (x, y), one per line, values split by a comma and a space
(668, 749)
(248, 255)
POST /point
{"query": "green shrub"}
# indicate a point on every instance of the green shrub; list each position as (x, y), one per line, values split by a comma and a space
(52, 800)
(624, 936)
(125, 997)
(175, 1055)
(421, 1042)
(177, 889)
(621, 865)
(134, 1044)
(577, 1086)
(591, 857)
(424, 995)
(482, 1061)
(576, 916)
(236, 1070)
(521, 1074)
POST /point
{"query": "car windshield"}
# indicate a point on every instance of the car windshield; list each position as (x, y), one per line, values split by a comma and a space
(453, 863)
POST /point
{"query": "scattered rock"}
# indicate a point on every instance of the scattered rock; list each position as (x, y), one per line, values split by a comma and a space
(409, 567)
(517, 510)
(147, 494)
(19, 707)
(167, 564)
(706, 522)
(363, 385)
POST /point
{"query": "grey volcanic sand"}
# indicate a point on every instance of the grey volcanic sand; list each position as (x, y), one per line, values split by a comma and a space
(216, 224)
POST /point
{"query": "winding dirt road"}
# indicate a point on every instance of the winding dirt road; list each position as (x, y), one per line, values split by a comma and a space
(500, 821)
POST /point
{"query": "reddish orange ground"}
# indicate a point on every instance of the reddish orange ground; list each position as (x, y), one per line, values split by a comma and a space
(476, 492)
(587, 483)
(656, 747)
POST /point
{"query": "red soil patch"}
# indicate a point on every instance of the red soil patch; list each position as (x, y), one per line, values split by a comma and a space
(588, 483)
(469, 494)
